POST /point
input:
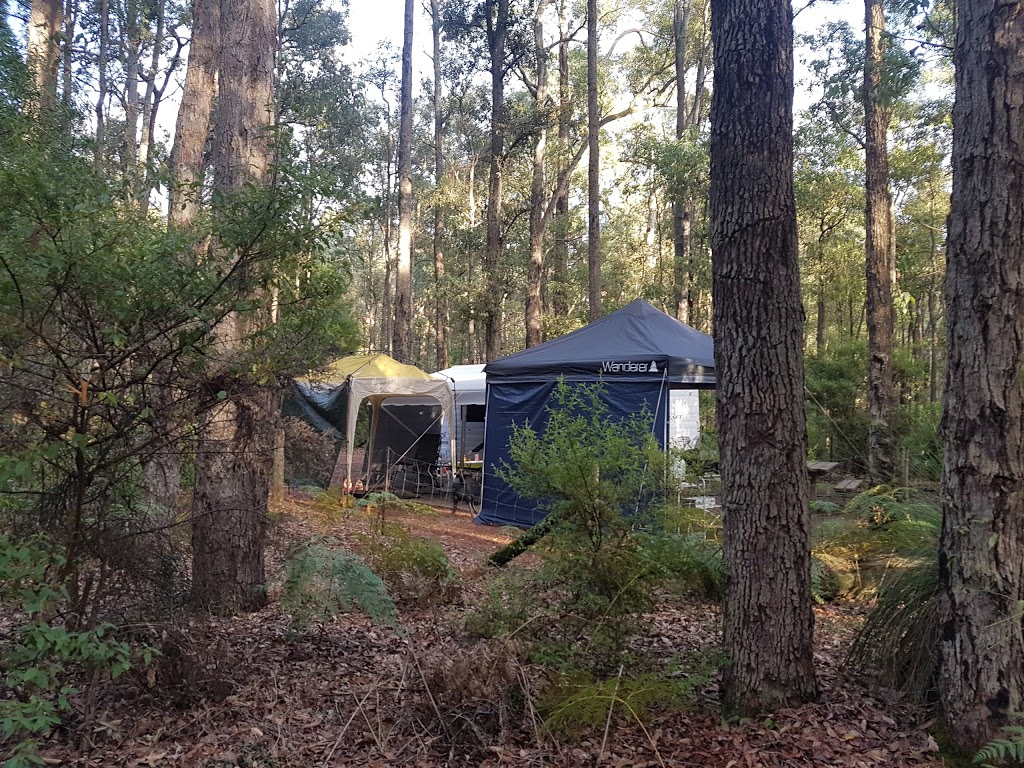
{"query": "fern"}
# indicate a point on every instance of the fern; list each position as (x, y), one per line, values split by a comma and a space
(577, 702)
(1003, 751)
(819, 507)
(322, 581)
(413, 568)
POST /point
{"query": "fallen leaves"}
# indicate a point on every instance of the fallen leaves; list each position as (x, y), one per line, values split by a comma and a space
(351, 694)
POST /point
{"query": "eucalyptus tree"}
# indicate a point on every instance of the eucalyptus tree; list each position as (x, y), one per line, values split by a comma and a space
(402, 339)
(768, 617)
(879, 248)
(236, 439)
(498, 32)
(981, 651)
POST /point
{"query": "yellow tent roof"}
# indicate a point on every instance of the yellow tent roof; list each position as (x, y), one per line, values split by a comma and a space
(378, 366)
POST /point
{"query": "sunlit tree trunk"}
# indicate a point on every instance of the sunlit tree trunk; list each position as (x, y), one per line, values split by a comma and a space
(101, 84)
(681, 215)
(497, 31)
(402, 342)
(535, 271)
(758, 323)
(44, 28)
(442, 313)
(193, 125)
(560, 253)
(981, 558)
(880, 261)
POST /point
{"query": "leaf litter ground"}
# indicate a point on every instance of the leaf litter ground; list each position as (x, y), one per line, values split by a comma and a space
(243, 692)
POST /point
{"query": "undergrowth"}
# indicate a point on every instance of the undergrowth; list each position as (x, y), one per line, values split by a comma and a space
(322, 581)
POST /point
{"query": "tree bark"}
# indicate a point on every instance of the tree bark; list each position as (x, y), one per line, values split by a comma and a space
(758, 325)
(101, 85)
(402, 340)
(680, 213)
(560, 254)
(880, 257)
(132, 45)
(497, 30)
(193, 123)
(593, 170)
(236, 440)
(442, 312)
(981, 559)
(44, 28)
(538, 224)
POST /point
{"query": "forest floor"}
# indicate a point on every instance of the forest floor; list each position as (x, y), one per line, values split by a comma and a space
(244, 691)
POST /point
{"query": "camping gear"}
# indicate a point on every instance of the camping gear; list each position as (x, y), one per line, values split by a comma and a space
(639, 354)
(331, 400)
(468, 384)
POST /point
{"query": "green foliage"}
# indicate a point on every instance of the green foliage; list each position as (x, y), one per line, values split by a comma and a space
(837, 424)
(322, 580)
(578, 702)
(917, 425)
(1005, 750)
(591, 471)
(690, 563)
(887, 540)
(899, 638)
(415, 569)
(39, 655)
(509, 605)
(820, 507)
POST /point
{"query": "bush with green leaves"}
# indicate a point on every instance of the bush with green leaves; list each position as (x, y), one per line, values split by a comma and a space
(886, 542)
(323, 580)
(415, 569)
(577, 701)
(41, 657)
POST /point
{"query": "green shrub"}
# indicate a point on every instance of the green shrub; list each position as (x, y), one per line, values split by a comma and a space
(510, 604)
(39, 656)
(322, 581)
(415, 569)
(917, 425)
(578, 702)
(819, 507)
(690, 563)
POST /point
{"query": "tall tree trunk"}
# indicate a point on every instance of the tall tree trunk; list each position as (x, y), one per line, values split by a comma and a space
(193, 124)
(161, 471)
(236, 440)
(402, 344)
(68, 75)
(758, 321)
(560, 253)
(981, 559)
(442, 313)
(44, 28)
(472, 342)
(151, 103)
(101, 84)
(538, 224)
(497, 30)
(880, 259)
(593, 170)
(132, 45)
(680, 212)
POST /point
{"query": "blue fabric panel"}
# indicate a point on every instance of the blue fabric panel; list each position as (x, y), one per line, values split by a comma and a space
(515, 403)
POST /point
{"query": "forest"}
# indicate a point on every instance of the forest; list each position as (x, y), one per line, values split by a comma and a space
(204, 204)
